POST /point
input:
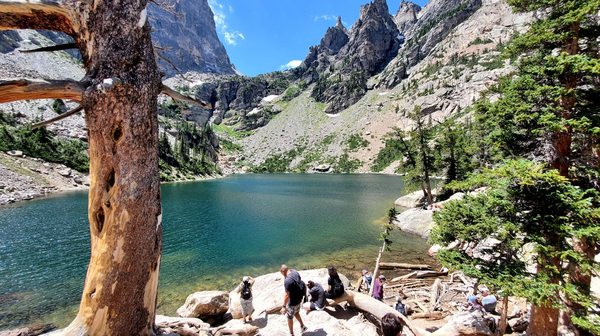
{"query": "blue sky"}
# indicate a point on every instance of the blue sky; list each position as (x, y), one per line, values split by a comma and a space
(267, 35)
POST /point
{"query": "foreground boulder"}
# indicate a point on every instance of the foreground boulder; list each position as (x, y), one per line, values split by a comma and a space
(205, 304)
(181, 325)
(33, 330)
(331, 323)
(467, 324)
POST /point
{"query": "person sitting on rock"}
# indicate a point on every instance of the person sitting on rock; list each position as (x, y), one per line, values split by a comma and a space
(317, 297)
(335, 287)
(391, 325)
(473, 303)
(245, 290)
(488, 301)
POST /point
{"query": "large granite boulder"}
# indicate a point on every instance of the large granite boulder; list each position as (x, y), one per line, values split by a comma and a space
(268, 291)
(317, 322)
(411, 200)
(417, 221)
(467, 324)
(206, 304)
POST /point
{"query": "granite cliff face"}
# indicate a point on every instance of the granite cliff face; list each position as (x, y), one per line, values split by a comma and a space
(187, 37)
(434, 23)
(184, 34)
(406, 16)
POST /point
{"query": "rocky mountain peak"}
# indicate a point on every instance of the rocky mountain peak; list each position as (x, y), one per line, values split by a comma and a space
(339, 24)
(406, 16)
(188, 38)
(373, 39)
(335, 38)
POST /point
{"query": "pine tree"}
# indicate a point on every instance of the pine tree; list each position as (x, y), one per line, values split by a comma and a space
(549, 109)
(419, 158)
(526, 210)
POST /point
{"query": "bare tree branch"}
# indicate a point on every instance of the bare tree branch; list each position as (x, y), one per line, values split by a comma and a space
(24, 89)
(178, 96)
(37, 14)
(57, 118)
(57, 47)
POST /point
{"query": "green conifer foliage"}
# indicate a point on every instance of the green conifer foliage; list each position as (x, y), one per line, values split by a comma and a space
(524, 220)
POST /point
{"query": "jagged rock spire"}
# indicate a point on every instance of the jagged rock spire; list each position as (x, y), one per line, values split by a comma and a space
(339, 23)
(406, 16)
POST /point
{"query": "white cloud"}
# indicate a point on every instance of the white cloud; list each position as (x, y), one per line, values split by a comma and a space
(325, 17)
(291, 64)
(232, 36)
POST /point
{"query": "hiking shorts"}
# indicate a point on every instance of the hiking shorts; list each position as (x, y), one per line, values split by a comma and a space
(247, 307)
(290, 311)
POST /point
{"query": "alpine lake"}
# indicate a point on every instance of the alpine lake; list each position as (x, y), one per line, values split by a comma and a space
(214, 232)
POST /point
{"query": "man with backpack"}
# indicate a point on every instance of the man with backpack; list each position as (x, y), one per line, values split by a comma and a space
(295, 291)
(245, 290)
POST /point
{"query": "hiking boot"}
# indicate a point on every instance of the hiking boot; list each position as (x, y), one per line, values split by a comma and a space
(303, 329)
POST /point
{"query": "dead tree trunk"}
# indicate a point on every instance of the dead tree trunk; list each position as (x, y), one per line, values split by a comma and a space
(120, 89)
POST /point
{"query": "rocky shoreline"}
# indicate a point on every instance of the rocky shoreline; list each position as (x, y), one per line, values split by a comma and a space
(25, 178)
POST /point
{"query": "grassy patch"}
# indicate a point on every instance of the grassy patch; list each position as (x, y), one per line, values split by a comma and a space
(41, 143)
(228, 130)
(388, 154)
(355, 142)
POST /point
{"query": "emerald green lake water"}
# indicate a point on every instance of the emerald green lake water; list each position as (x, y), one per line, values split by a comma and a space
(214, 232)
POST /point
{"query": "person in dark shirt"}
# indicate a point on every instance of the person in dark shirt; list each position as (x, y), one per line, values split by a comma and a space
(295, 290)
(335, 286)
(317, 297)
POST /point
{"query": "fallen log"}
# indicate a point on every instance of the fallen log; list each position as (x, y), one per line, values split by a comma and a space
(428, 274)
(432, 316)
(391, 265)
(376, 308)
(436, 293)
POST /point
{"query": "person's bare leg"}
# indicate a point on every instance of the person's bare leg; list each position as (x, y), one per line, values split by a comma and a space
(297, 315)
(291, 326)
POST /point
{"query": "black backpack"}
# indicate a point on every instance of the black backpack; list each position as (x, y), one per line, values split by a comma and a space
(338, 288)
(246, 291)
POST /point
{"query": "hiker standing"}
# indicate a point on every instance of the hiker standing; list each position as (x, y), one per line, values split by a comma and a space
(245, 290)
(378, 288)
(295, 290)
(366, 279)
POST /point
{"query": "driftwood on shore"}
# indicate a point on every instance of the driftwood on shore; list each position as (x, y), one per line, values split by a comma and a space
(392, 265)
(374, 307)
